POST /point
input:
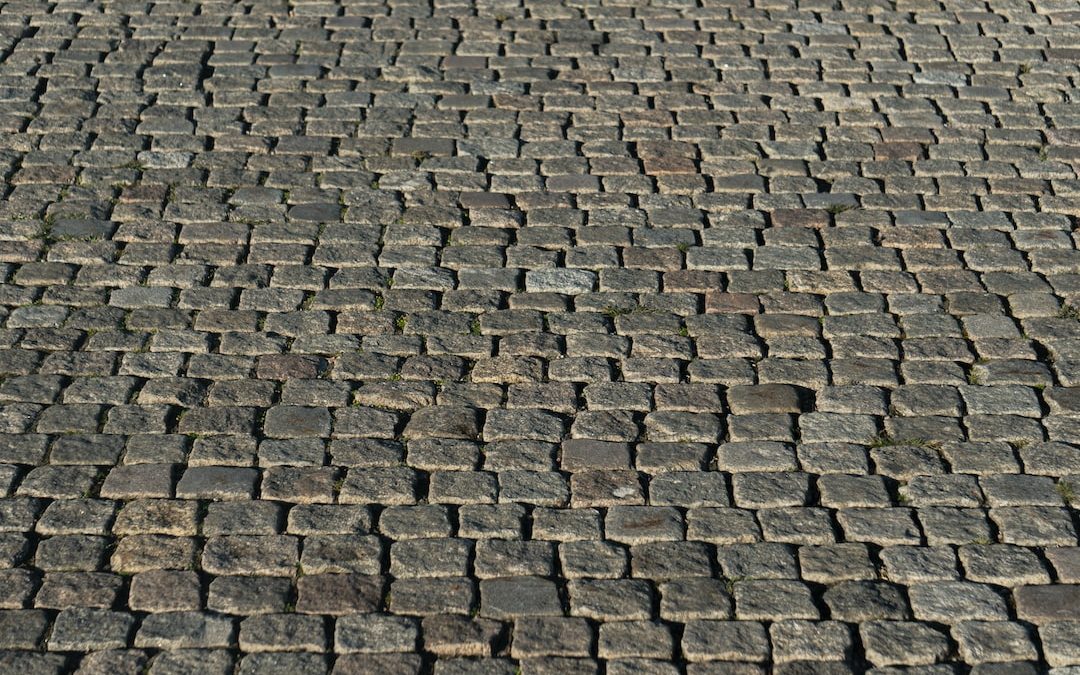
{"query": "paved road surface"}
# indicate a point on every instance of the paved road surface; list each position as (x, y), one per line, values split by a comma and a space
(607, 336)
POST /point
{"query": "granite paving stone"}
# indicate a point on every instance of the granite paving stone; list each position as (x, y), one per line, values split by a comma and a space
(668, 337)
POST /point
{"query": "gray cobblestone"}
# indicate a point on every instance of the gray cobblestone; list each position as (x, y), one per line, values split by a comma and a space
(616, 338)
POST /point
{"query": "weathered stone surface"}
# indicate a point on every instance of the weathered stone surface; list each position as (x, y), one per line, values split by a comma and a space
(1046, 604)
(282, 633)
(546, 337)
(903, 643)
(248, 554)
(513, 597)
(90, 630)
(443, 422)
(185, 630)
(372, 633)
(568, 281)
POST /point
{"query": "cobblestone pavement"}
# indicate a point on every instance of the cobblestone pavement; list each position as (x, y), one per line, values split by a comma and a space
(492, 337)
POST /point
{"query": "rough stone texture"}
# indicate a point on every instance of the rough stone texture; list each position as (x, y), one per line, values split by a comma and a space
(546, 337)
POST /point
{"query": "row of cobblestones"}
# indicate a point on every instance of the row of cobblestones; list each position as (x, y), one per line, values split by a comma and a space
(499, 337)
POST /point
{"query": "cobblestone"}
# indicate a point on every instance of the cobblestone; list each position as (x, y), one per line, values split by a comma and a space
(539, 337)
